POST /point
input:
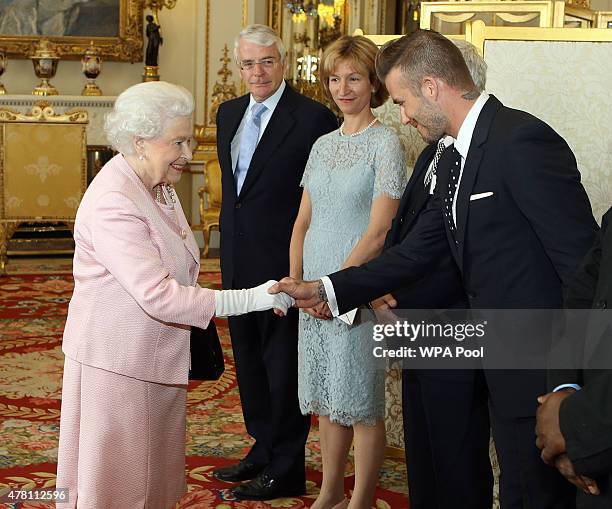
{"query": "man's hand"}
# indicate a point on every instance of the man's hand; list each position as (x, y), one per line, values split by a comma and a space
(382, 308)
(566, 468)
(306, 293)
(320, 311)
(549, 437)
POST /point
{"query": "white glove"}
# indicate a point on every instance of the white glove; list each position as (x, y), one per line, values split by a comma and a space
(239, 302)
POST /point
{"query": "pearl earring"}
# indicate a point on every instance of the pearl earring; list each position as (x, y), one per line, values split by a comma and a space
(141, 157)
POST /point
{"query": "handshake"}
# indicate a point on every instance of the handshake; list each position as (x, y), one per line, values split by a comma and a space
(277, 295)
(239, 302)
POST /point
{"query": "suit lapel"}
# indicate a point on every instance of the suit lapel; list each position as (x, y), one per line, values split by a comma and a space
(278, 128)
(415, 195)
(231, 122)
(471, 167)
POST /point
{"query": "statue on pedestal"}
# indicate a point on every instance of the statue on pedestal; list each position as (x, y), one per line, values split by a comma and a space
(154, 40)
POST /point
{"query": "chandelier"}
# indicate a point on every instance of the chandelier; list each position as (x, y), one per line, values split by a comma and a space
(313, 26)
(328, 12)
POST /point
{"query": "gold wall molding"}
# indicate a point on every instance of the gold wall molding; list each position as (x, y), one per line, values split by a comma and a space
(43, 112)
(223, 90)
(432, 13)
(96, 107)
(480, 33)
(206, 133)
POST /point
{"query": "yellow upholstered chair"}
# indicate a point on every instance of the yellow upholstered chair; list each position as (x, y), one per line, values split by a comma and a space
(43, 169)
(210, 202)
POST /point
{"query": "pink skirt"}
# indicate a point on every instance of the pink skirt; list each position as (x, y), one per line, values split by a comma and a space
(122, 440)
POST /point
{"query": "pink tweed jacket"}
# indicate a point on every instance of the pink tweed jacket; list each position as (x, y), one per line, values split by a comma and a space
(134, 298)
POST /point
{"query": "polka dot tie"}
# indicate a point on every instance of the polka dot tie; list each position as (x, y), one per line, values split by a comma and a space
(453, 182)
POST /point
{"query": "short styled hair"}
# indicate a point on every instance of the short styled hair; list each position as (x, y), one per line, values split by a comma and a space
(361, 53)
(143, 111)
(475, 63)
(426, 53)
(261, 35)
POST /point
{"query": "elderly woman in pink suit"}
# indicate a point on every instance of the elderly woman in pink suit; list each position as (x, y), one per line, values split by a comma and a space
(126, 341)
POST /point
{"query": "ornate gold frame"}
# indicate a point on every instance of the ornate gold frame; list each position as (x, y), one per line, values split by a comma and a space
(603, 19)
(511, 12)
(126, 48)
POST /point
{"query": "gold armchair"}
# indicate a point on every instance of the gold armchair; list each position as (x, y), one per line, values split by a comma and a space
(210, 202)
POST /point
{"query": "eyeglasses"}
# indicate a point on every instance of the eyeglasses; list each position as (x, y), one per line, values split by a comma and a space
(249, 65)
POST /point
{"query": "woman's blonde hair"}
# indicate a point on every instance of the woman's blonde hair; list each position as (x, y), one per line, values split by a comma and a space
(361, 54)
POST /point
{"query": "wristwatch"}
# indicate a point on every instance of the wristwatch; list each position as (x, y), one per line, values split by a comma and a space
(321, 291)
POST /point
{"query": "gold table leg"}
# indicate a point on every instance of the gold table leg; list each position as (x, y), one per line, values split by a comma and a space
(6, 232)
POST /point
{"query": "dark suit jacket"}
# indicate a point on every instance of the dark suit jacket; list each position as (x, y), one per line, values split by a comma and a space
(516, 249)
(585, 417)
(441, 289)
(256, 226)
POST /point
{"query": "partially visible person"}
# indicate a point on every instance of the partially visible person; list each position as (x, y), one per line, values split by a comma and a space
(575, 426)
(445, 412)
(263, 142)
(352, 184)
(126, 340)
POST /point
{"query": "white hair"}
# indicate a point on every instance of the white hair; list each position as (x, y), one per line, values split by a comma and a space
(262, 35)
(475, 63)
(143, 111)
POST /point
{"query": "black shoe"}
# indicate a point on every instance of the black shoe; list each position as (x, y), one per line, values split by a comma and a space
(242, 471)
(265, 487)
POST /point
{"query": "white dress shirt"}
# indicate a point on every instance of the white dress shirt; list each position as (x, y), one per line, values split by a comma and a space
(462, 145)
(270, 104)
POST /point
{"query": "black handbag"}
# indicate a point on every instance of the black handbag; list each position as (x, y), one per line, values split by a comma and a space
(206, 354)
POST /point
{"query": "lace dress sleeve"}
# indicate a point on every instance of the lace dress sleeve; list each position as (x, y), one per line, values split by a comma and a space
(313, 160)
(390, 167)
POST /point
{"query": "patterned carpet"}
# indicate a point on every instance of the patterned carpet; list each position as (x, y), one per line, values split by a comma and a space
(32, 314)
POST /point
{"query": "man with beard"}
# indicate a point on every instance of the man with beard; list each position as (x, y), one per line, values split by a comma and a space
(446, 420)
(510, 205)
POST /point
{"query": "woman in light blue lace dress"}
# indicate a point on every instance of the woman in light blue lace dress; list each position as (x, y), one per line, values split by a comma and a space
(352, 185)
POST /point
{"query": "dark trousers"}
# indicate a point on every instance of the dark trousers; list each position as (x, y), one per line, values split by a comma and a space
(446, 437)
(526, 482)
(446, 434)
(265, 352)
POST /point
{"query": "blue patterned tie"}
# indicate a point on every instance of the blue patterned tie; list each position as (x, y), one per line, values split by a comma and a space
(248, 144)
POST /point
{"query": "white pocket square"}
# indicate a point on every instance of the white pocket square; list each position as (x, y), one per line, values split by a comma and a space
(480, 196)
